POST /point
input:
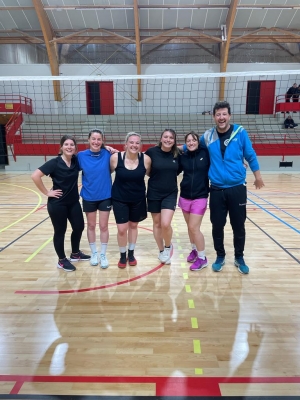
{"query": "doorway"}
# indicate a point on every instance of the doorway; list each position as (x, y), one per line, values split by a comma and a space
(100, 98)
(260, 97)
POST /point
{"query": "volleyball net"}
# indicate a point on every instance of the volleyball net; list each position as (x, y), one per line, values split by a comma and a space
(35, 112)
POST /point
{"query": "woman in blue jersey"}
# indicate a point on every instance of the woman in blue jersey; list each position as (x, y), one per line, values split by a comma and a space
(96, 193)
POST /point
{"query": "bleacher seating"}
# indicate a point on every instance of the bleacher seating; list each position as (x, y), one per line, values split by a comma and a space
(49, 129)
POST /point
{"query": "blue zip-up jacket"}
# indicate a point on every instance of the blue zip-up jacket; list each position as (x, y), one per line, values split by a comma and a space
(230, 171)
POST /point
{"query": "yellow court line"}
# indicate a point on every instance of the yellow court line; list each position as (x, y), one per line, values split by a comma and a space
(194, 322)
(188, 288)
(197, 347)
(38, 250)
(198, 371)
(191, 303)
(27, 215)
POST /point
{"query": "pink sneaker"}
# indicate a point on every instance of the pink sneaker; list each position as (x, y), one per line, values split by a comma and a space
(199, 264)
(192, 256)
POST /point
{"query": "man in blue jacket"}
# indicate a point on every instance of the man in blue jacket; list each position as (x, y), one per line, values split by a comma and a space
(228, 145)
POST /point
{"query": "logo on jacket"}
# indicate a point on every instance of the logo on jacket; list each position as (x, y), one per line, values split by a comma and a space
(226, 142)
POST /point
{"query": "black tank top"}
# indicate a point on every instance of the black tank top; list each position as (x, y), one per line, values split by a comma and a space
(129, 184)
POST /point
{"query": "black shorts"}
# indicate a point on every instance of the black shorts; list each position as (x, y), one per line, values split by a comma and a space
(169, 203)
(129, 211)
(92, 206)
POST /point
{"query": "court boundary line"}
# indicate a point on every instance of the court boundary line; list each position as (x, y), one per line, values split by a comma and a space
(164, 386)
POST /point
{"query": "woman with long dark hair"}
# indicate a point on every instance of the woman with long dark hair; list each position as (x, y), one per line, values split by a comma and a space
(162, 191)
(63, 201)
(194, 189)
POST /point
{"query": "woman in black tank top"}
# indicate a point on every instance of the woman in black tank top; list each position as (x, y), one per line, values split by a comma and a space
(129, 194)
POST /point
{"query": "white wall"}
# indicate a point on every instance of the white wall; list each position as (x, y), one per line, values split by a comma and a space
(158, 96)
(266, 163)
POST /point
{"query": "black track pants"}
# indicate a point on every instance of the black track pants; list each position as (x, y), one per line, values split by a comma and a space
(59, 215)
(233, 201)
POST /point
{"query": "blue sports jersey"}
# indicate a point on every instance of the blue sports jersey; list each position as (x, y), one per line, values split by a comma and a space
(96, 176)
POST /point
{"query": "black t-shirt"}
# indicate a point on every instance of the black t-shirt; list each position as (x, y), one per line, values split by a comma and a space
(163, 175)
(64, 178)
(224, 138)
(129, 184)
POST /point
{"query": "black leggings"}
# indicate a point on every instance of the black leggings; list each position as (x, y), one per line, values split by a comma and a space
(232, 200)
(59, 215)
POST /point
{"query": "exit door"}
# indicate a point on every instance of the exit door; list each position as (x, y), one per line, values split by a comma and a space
(260, 97)
(100, 98)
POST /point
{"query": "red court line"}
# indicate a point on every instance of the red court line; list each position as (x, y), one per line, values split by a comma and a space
(92, 288)
(165, 386)
(96, 287)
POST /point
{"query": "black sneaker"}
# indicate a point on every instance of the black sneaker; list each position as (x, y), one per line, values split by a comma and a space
(80, 256)
(131, 259)
(66, 265)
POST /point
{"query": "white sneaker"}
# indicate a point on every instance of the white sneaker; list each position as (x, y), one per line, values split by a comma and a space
(165, 256)
(94, 259)
(103, 261)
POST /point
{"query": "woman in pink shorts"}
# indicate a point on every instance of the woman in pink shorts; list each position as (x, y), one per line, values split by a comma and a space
(194, 189)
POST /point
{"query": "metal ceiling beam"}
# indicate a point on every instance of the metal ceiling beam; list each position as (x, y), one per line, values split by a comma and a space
(149, 39)
(137, 48)
(141, 30)
(56, 40)
(207, 50)
(151, 7)
(249, 34)
(51, 47)
(27, 35)
(225, 46)
(161, 40)
(216, 39)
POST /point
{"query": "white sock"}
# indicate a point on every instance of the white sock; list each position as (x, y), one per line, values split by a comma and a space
(93, 247)
(122, 249)
(201, 254)
(193, 246)
(131, 246)
(103, 248)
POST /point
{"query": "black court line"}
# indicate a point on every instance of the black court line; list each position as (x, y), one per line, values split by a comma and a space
(29, 230)
(278, 244)
(74, 397)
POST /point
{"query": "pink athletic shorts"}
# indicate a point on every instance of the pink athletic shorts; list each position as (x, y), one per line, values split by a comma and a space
(197, 206)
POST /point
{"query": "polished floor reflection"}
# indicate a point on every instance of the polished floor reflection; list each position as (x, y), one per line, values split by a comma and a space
(152, 329)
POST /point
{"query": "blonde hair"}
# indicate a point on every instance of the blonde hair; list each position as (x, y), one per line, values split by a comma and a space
(132, 134)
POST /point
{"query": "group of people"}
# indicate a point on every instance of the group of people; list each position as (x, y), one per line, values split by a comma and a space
(217, 156)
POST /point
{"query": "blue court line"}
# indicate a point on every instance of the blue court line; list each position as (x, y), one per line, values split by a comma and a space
(273, 215)
(273, 205)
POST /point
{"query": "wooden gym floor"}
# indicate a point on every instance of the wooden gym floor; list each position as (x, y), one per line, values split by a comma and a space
(150, 330)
